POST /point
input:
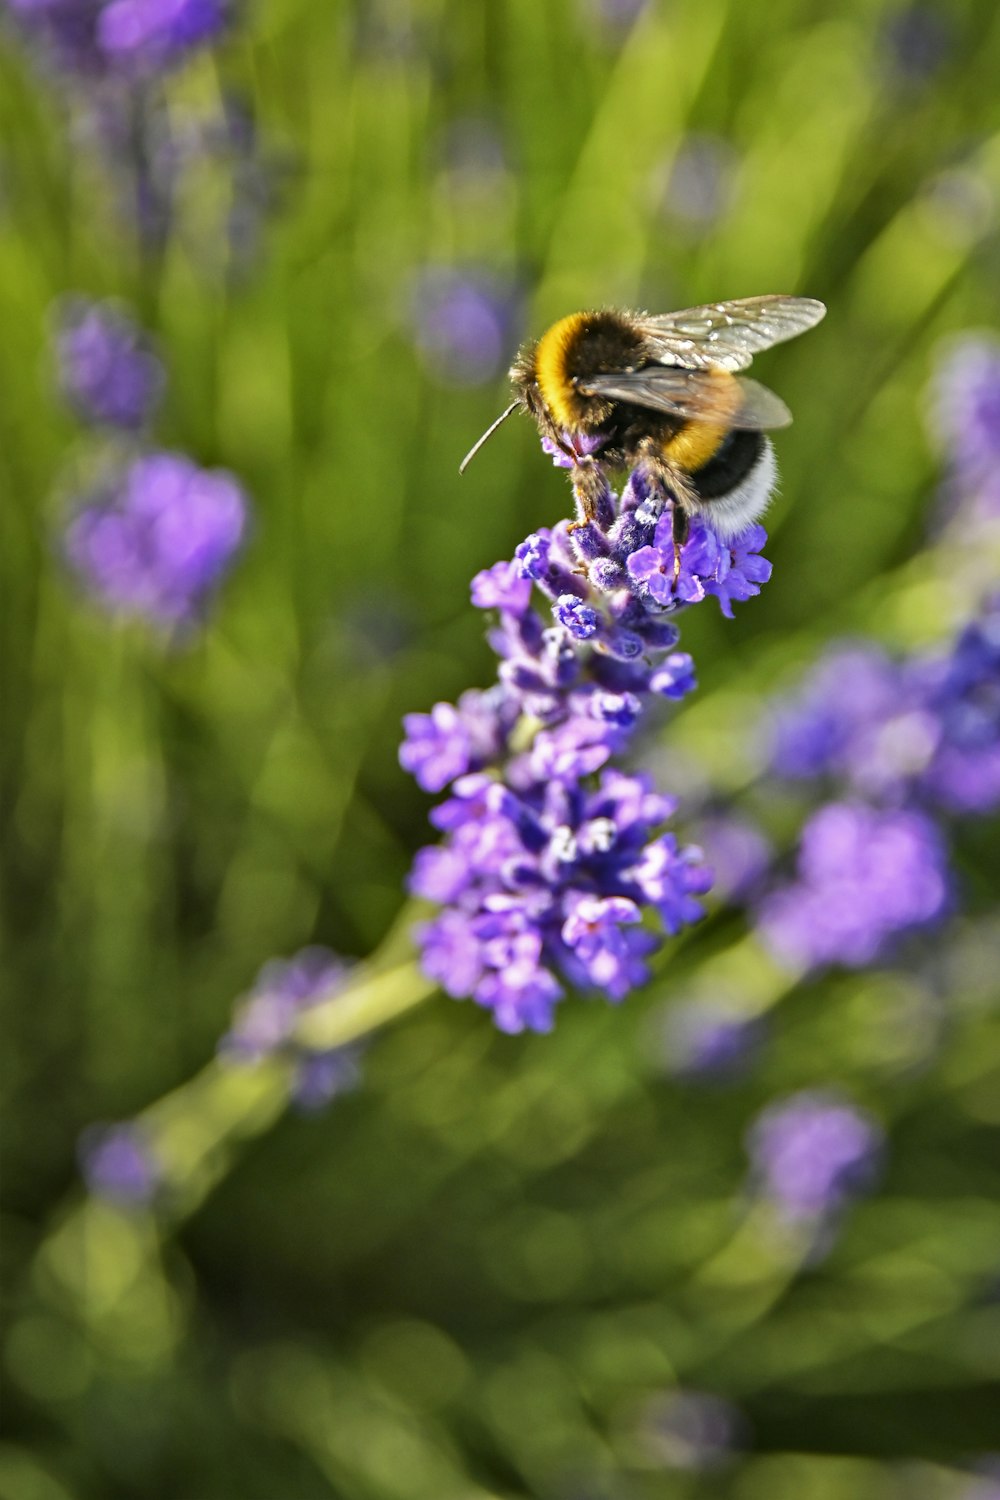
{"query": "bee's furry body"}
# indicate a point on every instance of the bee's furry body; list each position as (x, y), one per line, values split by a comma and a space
(727, 473)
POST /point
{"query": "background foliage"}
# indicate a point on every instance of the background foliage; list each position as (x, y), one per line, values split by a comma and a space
(473, 1276)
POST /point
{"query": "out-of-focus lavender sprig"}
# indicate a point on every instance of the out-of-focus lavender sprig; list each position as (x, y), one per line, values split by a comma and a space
(157, 540)
(901, 745)
(965, 402)
(692, 1430)
(462, 321)
(265, 1021)
(551, 859)
(865, 878)
(111, 62)
(707, 1040)
(119, 1164)
(125, 39)
(812, 1154)
(922, 729)
(108, 371)
(157, 535)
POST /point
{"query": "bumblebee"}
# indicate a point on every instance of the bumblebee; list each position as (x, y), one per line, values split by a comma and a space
(612, 389)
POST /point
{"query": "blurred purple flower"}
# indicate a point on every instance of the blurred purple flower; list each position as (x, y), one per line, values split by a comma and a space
(966, 410)
(159, 543)
(696, 189)
(916, 41)
(692, 1430)
(264, 1025)
(153, 35)
(924, 729)
(854, 685)
(463, 323)
(963, 695)
(119, 1164)
(985, 1483)
(125, 37)
(967, 404)
(614, 15)
(107, 370)
(709, 1040)
(814, 1152)
(865, 877)
(739, 853)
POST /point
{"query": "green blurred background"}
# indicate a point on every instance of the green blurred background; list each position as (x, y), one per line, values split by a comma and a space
(472, 1277)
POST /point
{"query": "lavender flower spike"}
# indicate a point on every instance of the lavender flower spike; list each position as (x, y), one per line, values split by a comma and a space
(556, 868)
(264, 1024)
(158, 542)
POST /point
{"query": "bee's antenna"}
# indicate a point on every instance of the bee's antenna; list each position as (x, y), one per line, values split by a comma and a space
(487, 434)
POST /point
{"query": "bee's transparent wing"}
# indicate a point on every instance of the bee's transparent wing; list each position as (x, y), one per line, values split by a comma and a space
(693, 395)
(727, 335)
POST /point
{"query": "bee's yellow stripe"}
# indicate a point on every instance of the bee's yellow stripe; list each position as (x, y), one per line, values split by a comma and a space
(694, 445)
(550, 369)
(696, 442)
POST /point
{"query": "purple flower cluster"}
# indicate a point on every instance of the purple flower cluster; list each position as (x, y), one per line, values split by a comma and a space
(128, 38)
(107, 371)
(866, 876)
(812, 1153)
(905, 745)
(158, 541)
(924, 728)
(551, 859)
(265, 1020)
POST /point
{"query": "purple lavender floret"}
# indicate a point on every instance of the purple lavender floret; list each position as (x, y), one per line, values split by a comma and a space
(107, 371)
(158, 543)
(866, 877)
(813, 1153)
(119, 1164)
(265, 1020)
(732, 571)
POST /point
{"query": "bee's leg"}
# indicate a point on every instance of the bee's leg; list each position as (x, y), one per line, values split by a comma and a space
(588, 487)
(679, 528)
(678, 494)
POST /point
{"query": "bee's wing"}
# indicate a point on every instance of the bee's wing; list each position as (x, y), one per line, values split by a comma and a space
(727, 335)
(693, 395)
